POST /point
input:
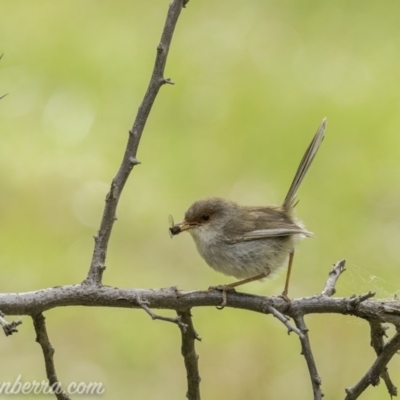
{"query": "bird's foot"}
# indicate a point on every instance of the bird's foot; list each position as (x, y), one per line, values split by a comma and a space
(223, 289)
(285, 297)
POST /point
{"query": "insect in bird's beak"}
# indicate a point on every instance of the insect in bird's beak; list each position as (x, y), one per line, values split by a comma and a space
(173, 229)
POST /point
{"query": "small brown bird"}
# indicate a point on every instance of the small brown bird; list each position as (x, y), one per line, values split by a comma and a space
(248, 242)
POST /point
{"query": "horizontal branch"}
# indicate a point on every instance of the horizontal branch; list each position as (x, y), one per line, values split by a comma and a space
(31, 303)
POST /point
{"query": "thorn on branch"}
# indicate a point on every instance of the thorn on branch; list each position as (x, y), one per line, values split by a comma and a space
(145, 305)
(160, 49)
(167, 81)
(132, 133)
(112, 194)
(134, 161)
(101, 267)
(338, 269)
(356, 300)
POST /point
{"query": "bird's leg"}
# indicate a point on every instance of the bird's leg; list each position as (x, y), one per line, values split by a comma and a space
(286, 289)
(231, 286)
(247, 280)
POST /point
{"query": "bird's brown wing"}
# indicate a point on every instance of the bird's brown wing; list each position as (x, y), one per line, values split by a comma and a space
(276, 232)
(261, 222)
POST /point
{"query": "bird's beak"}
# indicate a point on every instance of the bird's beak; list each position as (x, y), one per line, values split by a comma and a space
(180, 227)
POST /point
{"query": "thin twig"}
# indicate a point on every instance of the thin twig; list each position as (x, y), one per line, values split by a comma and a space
(188, 350)
(48, 352)
(102, 238)
(378, 332)
(145, 305)
(308, 355)
(371, 377)
(8, 327)
(337, 270)
(285, 321)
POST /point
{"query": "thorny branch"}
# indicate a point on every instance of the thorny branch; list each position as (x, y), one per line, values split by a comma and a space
(129, 160)
(371, 377)
(308, 355)
(188, 350)
(378, 332)
(48, 352)
(33, 303)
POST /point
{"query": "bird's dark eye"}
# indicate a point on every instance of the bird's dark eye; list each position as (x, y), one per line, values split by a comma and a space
(205, 217)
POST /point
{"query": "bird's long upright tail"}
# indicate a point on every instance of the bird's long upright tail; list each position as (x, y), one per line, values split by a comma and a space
(304, 165)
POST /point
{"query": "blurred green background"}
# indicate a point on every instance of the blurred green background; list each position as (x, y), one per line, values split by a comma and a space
(253, 81)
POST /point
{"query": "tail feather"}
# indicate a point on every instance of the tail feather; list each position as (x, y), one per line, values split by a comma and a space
(304, 166)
